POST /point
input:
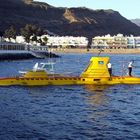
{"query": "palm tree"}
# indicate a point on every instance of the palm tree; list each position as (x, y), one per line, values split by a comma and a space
(45, 39)
(10, 33)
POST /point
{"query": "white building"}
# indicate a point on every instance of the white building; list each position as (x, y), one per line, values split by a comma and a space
(55, 41)
(66, 41)
(118, 41)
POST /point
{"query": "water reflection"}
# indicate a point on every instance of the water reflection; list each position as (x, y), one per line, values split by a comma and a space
(97, 95)
(96, 88)
(39, 90)
(98, 100)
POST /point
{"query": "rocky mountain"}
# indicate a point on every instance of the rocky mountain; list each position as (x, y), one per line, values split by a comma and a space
(64, 21)
(136, 21)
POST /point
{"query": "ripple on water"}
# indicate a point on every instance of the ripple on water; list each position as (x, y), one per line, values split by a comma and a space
(69, 112)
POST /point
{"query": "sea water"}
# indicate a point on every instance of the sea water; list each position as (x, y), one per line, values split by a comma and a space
(70, 112)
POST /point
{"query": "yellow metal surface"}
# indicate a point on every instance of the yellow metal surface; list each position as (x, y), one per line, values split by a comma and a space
(97, 67)
(40, 73)
(96, 73)
(40, 81)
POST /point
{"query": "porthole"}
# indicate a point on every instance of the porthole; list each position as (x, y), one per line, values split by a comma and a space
(96, 79)
(83, 79)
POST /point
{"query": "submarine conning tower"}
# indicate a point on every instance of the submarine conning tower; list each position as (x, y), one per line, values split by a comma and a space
(97, 67)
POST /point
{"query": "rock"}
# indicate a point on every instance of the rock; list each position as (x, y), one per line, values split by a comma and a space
(64, 21)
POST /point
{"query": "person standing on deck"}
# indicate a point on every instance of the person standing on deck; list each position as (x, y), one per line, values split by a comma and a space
(109, 66)
(130, 65)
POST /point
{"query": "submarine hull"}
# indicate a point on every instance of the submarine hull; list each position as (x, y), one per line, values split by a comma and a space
(41, 81)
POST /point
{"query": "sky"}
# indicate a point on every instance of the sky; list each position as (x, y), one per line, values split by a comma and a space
(129, 9)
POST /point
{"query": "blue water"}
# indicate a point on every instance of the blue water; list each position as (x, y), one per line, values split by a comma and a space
(70, 112)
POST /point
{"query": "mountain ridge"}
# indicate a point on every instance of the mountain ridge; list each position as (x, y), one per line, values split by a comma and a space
(136, 21)
(64, 21)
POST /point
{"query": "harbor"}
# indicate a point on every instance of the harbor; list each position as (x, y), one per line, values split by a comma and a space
(17, 51)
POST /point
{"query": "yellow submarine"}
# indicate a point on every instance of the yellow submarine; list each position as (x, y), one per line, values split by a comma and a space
(96, 73)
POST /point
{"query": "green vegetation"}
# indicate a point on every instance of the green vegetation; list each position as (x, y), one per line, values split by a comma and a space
(34, 38)
(31, 30)
(10, 33)
(27, 31)
(45, 40)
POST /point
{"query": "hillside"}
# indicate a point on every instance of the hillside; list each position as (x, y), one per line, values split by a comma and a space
(136, 21)
(64, 21)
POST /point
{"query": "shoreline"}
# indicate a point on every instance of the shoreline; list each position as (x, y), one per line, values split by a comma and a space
(104, 51)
